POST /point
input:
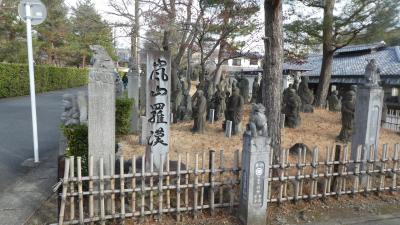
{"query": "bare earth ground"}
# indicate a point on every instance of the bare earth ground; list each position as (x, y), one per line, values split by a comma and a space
(317, 129)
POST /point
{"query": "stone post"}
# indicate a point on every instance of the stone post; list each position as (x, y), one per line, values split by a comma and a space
(158, 106)
(254, 181)
(101, 112)
(228, 129)
(211, 116)
(143, 133)
(368, 113)
(367, 119)
(133, 93)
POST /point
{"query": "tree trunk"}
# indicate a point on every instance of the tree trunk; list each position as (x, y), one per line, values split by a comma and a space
(327, 58)
(272, 85)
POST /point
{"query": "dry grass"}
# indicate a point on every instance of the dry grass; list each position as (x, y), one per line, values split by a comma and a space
(318, 129)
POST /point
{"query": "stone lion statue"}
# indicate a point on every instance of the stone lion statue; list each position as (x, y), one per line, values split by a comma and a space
(257, 125)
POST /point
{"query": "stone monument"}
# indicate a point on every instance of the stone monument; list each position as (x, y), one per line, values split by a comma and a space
(306, 96)
(255, 89)
(133, 93)
(291, 108)
(255, 169)
(71, 115)
(243, 86)
(101, 113)
(368, 113)
(348, 107)
(83, 107)
(199, 112)
(234, 111)
(158, 107)
(334, 102)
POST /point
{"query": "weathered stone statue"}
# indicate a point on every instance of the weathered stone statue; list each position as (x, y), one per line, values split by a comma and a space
(199, 112)
(306, 96)
(257, 125)
(185, 109)
(234, 110)
(334, 102)
(292, 104)
(243, 85)
(70, 116)
(372, 74)
(83, 107)
(259, 93)
(254, 90)
(176, 100)
(218, 103)
(348, 108)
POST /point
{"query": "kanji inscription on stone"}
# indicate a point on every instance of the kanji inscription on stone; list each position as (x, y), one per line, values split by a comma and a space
(258, 194)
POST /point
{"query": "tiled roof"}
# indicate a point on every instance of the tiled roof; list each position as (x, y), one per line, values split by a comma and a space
(388, 61)
(295, 67)
(361, 47)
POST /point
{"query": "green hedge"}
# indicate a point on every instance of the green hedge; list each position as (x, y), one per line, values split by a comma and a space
(14, 79)
(77, 135)
(123, 110)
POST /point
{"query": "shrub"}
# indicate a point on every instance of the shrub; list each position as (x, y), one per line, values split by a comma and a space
(123, 110)
(77, 137)
(14, 79)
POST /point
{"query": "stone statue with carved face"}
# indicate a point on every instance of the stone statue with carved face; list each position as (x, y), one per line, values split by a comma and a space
(70, 116)
(372, 74)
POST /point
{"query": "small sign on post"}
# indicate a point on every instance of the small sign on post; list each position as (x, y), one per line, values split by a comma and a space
(33, 12)
(158, 113)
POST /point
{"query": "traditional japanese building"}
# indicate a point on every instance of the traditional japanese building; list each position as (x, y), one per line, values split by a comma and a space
(349, 66)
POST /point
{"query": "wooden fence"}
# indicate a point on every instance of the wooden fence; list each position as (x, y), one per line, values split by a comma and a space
(204, 182)
(185, 185)
(392, 121)
(307, 177)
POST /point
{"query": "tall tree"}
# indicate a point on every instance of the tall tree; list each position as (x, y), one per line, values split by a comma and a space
(53, 33)
(341, 25)
(89, 29)
(12, 34)
(273, 60)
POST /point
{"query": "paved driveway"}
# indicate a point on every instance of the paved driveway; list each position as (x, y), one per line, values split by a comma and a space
(16, 146)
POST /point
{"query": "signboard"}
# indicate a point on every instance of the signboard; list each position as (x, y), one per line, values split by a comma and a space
(38, 11)
(158, 88)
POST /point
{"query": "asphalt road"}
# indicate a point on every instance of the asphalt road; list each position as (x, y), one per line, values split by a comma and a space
(16, 144)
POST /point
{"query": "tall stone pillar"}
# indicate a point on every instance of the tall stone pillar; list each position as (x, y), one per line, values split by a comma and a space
(367, 119)
(368, 113)
(101, 112)
(133, 93)
(255, 170)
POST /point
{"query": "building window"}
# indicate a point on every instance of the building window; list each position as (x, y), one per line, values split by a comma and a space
(395, 92)
(254, 62)
(237, 62)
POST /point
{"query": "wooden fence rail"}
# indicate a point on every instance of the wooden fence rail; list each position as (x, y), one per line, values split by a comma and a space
(307, 177)
(177, 187)
(206, 182)
(392, 121)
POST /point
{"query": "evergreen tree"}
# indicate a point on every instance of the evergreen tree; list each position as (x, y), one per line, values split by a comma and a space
(89, 29)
